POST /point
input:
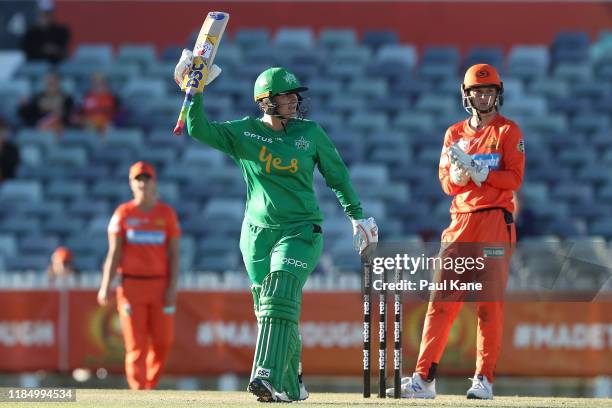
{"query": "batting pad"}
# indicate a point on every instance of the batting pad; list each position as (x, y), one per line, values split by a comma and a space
(291, 385)
(278, 336)
(256, 291)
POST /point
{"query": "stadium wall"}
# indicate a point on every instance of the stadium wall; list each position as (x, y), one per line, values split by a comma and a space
(463, 24)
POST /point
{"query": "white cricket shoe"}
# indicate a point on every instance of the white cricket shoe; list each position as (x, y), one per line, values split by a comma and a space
(415, 387)
(481, 388)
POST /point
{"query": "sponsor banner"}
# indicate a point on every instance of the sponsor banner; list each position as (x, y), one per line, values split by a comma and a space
(216, 333)
(29, 330)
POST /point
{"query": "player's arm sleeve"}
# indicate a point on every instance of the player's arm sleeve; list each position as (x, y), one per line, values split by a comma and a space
(216, 135)
(116, 225)
(174, 228)
(444, 171)
(337, 177)
(511, 177)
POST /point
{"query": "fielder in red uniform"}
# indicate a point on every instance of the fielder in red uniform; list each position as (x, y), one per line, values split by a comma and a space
(143, 237)
(481, 165)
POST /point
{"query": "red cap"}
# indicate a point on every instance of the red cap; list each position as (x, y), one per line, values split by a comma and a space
(481, 75)
(62, 254)
(141, 167)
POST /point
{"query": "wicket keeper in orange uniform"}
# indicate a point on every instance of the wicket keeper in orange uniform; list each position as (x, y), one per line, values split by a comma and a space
(481, 165)
(143, 247)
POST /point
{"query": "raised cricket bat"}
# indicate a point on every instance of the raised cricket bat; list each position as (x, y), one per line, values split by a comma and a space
(204, 53)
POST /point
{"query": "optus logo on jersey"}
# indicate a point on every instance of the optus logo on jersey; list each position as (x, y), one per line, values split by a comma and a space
(276, 162)
(258, 137)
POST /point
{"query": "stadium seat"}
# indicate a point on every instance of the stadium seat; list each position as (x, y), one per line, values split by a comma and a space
(376, 39)
(590, 123)
(334, 38)
(20, 225)
(439, 63)
(549, 88)
(342, 104)
(570, 46)
(110, 190)
(603, 227)
(41, 138)
(414, 123)
(8, 244)
(485, 55)
(405, 55)
(438, 105)
(20, 190)
(93, 54)
(40, 209)
(224, 208)
(367, 174)
(573, 193)
(37, 244)
(168, 191)
(32, 70)
(69, 157)
(30, 156)
(294, 38)
(573, 72)
(86, 139)
(363, 121)
(142, 54)
(61, 190)
(252, 37)
(124, 138)
(36, 263)
(528, 61)
(369, 88)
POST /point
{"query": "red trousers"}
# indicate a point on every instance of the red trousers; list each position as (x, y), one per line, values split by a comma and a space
(148, 332)
(491, 228)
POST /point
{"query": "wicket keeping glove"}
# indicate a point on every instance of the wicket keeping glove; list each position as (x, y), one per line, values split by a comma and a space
(458, 177)
(464, 161)
(365, 236)
(185, 65)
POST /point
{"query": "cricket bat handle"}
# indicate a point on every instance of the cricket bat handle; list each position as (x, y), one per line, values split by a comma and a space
(196, 82)
(180, 122)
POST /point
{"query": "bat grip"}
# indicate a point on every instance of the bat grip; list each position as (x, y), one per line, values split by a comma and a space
(180, 122)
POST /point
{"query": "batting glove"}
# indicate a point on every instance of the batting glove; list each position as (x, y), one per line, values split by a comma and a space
(464, 161)
(365, 236)
(183, 67)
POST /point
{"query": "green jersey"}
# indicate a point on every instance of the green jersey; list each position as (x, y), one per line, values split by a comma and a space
(278, 166)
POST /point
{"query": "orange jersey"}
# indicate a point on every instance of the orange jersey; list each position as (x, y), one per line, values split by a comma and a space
(145, 238)
(500, 146)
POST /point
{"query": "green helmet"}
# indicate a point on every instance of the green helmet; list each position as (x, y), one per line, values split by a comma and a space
(276, 81)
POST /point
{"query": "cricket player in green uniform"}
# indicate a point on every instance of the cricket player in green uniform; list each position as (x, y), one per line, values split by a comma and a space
(281, 239)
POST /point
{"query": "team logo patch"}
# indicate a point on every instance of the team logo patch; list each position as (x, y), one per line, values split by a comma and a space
(132, 222)
(483, 73)
(492, 142)
(290, 78)
(160, 222)
(521, 146)
(302, 144)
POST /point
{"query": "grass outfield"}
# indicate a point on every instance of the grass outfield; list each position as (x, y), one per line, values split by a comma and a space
(168, 399)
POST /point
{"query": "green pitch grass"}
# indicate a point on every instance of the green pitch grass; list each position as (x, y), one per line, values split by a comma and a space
(170, 399)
